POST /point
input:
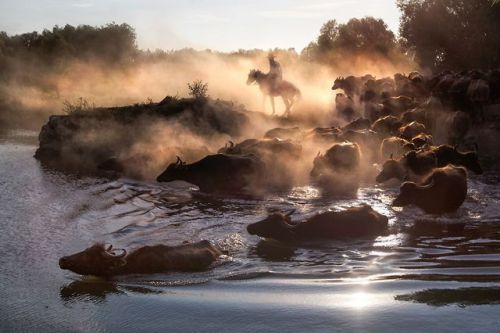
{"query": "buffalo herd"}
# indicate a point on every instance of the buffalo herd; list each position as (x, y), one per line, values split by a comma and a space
(386, 133)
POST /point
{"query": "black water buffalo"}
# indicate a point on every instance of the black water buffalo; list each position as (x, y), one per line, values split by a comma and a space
(263, 147)
(358, 125)
(394, 147)
(388, 125)
(351, 85)
(344, 106)
(443, 191)
(411, 130)
(368, 141)
(412, 166)
(341, 157)
(423, 114)
(397, 105)
(478, 94)
(323, 134)
(422, 140)
(354, 222)
(337, 171)
(446, 154)
(284, 133)
(102, 260)
(217, 173)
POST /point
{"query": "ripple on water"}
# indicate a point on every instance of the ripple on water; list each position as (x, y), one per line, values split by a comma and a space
(132, 214)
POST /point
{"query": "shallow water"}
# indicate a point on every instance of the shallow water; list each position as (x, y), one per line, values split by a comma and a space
(364, 285)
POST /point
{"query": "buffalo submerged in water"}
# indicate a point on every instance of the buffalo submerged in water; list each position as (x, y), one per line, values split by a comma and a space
(217, 173)
(103, 260)
(443, 191)
(354, 222)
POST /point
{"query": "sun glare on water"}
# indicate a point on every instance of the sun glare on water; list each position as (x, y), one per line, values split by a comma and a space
(359, 300)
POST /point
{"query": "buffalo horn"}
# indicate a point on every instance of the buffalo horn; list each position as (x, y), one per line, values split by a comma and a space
(121, 255)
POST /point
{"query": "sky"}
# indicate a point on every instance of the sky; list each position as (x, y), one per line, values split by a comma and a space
(225, 25)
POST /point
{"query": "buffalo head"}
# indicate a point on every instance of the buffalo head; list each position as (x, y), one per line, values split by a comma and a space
(172, 171)
(471, 162)
(98, 260)
(338, 83)
(391, 169)
(276, 226)
(407, 194)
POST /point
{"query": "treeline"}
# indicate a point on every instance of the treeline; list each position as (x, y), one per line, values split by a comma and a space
(112, 43)
(438, 34)
(434, 35)
(451, 34)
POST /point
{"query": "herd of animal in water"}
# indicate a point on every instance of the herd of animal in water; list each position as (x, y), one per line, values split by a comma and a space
(392, 129)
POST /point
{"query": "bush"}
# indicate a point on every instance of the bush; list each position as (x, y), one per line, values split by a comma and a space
(81, 105)
(198, 89)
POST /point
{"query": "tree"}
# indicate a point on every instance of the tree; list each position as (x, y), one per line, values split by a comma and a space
(357, 36)
(451, 34)
(328, 36)
(367, 35)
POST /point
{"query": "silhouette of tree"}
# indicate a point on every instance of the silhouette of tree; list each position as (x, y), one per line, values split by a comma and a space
(365, 35)
(113, 44)
(451, 34)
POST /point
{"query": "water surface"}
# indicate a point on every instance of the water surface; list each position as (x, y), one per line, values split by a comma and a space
(428, 273)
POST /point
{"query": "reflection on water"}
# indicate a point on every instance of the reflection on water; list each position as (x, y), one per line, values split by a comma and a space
(94, 291)
(45, 215)
(460, 296)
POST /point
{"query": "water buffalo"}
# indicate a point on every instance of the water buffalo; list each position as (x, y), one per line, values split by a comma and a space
(397, 105)
(344, 106)
(395, 147)
(446, 154)
(323, 134)
(423, 114)
(284, 133)
(368, 141)
(411, 130)
(351, 85)
(337, 170)
(388, 125)
(443, 191)
(281, 158)
(102, 260)
(341, 157)
(412, 166)
(373, 110)
(421, 140)
(358, 125)
(263, 148)
(217, 173)
(354, 222)
(478, 94)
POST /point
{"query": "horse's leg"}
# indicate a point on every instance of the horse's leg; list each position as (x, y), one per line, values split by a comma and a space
(287, 105)
(272, 104)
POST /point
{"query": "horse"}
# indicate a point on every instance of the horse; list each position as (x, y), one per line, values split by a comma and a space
(283, 88)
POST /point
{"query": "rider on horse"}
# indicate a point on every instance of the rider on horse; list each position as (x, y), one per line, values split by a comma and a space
(275, 73)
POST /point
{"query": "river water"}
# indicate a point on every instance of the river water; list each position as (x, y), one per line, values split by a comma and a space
(428, 274)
